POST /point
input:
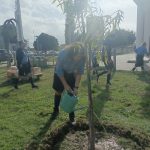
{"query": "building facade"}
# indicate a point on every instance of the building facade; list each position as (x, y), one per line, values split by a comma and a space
(143, 22)
(1, 38)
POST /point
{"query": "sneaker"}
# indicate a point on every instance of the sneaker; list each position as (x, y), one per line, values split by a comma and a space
(107, 86)
(142, 69)
(35, 87)
(97, 78)
(16, 87)
(54, 114)
(108, 83)
(133, 69)
(73, 123)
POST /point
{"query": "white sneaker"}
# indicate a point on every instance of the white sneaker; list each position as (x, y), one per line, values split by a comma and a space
(73, 123)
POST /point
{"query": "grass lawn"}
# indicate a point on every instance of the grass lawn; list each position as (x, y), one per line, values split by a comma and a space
(25, 113)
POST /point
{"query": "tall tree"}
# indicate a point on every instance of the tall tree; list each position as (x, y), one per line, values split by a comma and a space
(9, 34)
(67, 7)
(45, 42)
(70, 22)
(1, 39)
(73, 9)
(119, 38)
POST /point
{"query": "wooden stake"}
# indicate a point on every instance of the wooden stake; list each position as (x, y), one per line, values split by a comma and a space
(91, 145)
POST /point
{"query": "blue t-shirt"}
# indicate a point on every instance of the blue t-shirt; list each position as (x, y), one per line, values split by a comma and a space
(66, 64)
(141, 50)
(25, 58)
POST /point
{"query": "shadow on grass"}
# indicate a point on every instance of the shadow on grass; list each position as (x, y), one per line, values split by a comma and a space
(36, 139)
(146, 67)
(5, 83)
(23, 81)
(6, 94)
(145, 103)
(100, 100)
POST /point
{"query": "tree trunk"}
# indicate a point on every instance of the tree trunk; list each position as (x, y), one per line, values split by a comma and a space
(69, 30)
(91, 145)
(70, 25)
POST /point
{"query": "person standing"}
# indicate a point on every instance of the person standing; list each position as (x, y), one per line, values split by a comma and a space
(68, 71)
(140, 52)
(95, 64)
(109, 65)
(23, 65)
(108, 62)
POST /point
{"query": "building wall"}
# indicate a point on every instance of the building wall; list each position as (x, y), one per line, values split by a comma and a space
(140, 26)
(1, 39)
(147, 25)
(143, 22)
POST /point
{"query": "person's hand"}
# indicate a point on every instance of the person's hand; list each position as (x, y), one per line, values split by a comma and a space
(67, 88)
(75, 91)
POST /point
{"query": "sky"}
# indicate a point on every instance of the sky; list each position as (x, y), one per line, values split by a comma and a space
(41, 16)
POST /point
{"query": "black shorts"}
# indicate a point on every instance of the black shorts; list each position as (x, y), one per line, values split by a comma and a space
(139, 61)
(109, 66)
(57, 84)
(25, 70)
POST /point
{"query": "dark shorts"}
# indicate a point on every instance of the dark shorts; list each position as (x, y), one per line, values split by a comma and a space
(25, 70)
(139, 61)
(57, 84)
(109, 66)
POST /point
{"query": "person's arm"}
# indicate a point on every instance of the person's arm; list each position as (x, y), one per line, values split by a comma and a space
(78, 79)
(77, 82)
(65, 84)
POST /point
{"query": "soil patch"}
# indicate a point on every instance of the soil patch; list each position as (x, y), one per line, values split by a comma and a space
(79, 141)
(108, 137)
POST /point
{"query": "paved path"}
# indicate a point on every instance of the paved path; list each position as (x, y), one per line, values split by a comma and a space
(122, 62)
(3, 65)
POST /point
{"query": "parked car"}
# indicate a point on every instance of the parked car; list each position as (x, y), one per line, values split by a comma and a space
(30, 53)
(5, 55)
(52, 53)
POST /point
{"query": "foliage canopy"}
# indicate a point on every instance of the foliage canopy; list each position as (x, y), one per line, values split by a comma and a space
(45, 42)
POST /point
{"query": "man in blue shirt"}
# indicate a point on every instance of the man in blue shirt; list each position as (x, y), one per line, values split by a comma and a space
(23, 65)
(140, 52)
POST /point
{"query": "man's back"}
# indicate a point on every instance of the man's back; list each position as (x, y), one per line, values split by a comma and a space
(141, 50)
